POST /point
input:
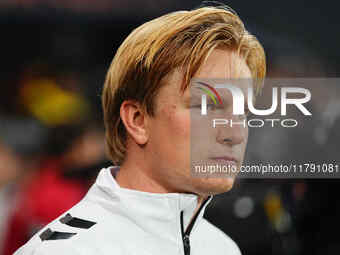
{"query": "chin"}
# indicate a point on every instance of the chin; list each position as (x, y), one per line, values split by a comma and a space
(213, 186)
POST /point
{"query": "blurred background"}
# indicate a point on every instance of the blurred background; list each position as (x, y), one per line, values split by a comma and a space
(55, 54)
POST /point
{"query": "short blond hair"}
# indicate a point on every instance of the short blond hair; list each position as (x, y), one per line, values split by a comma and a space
(182, 39)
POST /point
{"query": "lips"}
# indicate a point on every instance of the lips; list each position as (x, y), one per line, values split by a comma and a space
(225, 159)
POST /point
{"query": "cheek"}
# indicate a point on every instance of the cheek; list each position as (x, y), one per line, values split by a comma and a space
(181, 126)
(174, 141)
(178, 124)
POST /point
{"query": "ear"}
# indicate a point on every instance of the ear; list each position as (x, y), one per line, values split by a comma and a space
(135, 121)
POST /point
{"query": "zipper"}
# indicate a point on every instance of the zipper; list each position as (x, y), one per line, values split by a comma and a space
(186, 233)
(185, 238)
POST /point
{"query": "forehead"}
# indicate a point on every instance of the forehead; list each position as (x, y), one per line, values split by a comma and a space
(224, 64)
(220, 64)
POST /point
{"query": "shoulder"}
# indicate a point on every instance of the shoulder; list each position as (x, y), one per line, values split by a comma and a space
(56, 240)
(209, 235)
(48, 248)
(74, 233)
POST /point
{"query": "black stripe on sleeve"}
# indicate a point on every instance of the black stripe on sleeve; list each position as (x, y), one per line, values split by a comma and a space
(48, 234)
(76, 222)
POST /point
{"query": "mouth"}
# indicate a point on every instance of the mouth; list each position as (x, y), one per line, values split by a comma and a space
(225, 159)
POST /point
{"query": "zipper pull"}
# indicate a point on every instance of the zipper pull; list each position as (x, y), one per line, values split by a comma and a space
(186, 243)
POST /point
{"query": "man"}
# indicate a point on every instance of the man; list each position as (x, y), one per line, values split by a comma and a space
(150, 203)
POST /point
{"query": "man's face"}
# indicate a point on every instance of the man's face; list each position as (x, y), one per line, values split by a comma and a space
(176, 138)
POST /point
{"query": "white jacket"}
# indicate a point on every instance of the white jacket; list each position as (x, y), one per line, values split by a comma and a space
(118, 221)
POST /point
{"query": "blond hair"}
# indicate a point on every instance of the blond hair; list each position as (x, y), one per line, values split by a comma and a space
(182, 39)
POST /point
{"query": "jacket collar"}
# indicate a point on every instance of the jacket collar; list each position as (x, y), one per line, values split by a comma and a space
(156, 213)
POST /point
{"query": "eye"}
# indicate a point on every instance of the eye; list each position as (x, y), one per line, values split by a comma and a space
(211, 107)
(195, 106)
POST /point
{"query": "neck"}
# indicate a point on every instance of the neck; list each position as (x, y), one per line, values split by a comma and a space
(172, 213)
(133, 177)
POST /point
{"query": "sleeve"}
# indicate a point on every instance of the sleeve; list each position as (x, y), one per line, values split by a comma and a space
(49, 249)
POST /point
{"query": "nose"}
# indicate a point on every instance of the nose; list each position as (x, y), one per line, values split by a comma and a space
(235, 132)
